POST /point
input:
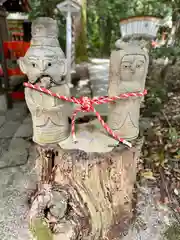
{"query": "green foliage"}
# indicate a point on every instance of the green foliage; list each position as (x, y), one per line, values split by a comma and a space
(104, 17)
(164, 52)
(44, 8)
(173, 232)
(102, 22)
(173, 135)
(155, 100)
(81, 43)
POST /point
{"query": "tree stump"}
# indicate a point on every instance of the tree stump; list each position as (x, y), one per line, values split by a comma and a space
(86, 195)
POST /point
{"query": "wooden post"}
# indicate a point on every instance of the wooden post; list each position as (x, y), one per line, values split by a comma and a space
(4, 37)
(5, 79)
(69, 8)
(3, 23)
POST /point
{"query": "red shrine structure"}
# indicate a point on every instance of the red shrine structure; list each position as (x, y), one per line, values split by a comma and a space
(14, 42)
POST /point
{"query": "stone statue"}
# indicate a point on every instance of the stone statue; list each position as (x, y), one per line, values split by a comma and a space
(45, 65)
(128, 70)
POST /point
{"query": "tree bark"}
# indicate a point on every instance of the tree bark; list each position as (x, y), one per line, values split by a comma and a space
(96, 188)
(81, 34)
(3, 25)
(106, 48)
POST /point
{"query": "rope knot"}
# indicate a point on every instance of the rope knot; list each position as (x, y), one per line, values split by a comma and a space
(86, 104)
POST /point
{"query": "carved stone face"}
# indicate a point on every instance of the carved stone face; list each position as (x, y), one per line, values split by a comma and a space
(132, 67)
(128, 70)
(44, 66)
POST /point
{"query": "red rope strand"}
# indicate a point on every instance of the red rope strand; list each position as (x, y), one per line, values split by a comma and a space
(87, 106)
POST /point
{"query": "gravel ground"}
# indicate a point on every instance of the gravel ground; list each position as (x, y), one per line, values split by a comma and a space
(17, 176)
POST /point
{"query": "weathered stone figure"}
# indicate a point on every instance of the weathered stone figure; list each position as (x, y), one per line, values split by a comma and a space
(45, 65)
(128, 70)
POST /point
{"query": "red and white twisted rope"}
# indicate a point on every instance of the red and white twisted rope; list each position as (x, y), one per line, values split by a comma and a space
(87, 106)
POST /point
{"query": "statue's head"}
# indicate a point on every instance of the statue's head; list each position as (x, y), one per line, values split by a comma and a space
(44, 62)
(132, 66)
(129, 65)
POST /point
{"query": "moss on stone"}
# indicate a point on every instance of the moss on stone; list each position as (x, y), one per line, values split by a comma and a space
(40, 229)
